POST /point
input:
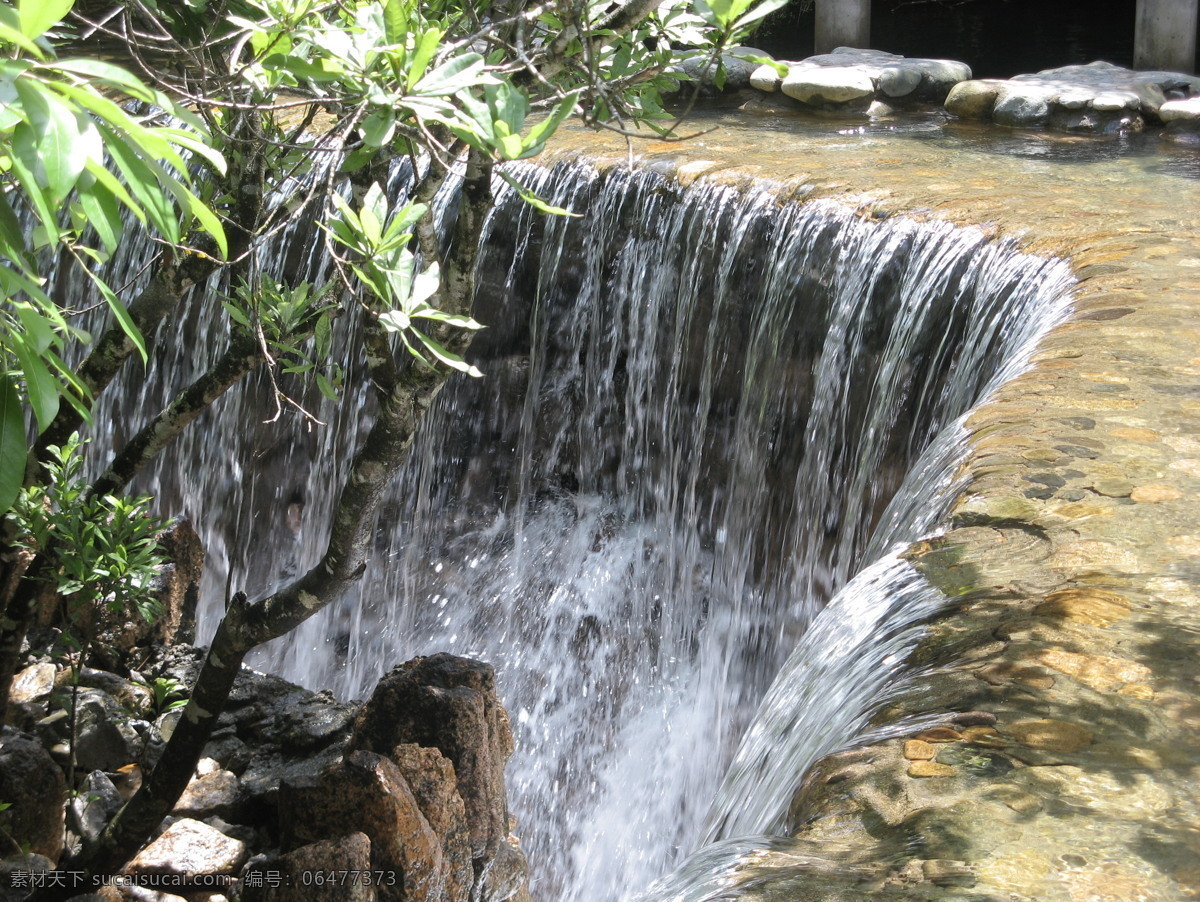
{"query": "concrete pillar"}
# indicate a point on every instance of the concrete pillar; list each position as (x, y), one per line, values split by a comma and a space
(847, 23)
(1164, 36)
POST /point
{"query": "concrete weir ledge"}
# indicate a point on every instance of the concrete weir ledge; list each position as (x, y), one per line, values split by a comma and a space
(1055, 702)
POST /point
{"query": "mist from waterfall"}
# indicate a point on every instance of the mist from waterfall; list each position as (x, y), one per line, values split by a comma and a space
(709, 419)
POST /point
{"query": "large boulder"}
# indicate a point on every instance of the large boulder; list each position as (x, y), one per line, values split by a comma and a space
(450, 704)
(34, 788)
(331, 870)
(368, 794)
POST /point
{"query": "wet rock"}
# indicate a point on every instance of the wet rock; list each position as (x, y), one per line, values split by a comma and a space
(1027, 109)
(34, 788)
(1096, 607)
(1103, 673)
(431, 777)
(189, 847)
(1155, 494)
(330, 870)
(972, 99)
(942, 872)
(505, 875)
(919, 750)
(1051, 735)
(448, 703)
(940, 734)
(930, 769)
(368, 794)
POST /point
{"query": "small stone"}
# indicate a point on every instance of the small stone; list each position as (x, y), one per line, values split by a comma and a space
(190, 847)
(985, 736)
(939, 734)
(766, 78)
(1113, 487)
(1155, 493)
(1052, 735)
(974, 718)
(919, 750)
(33, 684)
(929, 769)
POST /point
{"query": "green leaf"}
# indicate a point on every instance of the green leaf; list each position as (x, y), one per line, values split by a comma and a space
(40, 386)
(464, 71)
(450, 359)
(103, 214)
(536, 202)
(12, 442)
(426, 49)
(395, 21)
(37, 16)
(128, 326)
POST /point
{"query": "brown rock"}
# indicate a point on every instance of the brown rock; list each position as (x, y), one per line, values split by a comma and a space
(208, 794)
(332, 870)
(940, 734)
(1011, 672)
(431, 777)
(190, 847)
(972, 99)
(1155, 493)
(929, 769)
(1052, 735)
(1101, 672)
(918, 750)
(448, 703)
(1097, 607)
(33, 786)
(368, 794)
(988, 737)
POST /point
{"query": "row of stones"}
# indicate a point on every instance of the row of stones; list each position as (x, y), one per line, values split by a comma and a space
(1098, 97)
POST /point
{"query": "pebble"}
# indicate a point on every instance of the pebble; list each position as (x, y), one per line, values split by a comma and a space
(929, 769)
(939, 734)
(919, 750)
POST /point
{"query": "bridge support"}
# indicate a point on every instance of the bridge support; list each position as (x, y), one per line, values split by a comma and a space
(847, 23)
(1164, 36)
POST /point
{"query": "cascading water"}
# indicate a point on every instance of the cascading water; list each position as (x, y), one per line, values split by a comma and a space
(697, 407)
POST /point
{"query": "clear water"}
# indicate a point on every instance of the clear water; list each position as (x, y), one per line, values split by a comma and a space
(669, 513)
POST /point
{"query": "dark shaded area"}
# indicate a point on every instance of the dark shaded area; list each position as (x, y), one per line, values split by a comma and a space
(997, 38)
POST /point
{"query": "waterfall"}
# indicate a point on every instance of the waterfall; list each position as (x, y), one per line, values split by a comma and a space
(710, 418)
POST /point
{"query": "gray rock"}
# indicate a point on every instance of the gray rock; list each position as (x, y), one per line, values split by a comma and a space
(104, 737)
(1180, 110)
(1021, 108)
(899, 81)
(973, 99)
(208, 794)
(1115, 100)
(766, 78)
(97, 802)
(827, 85)
(34, 788)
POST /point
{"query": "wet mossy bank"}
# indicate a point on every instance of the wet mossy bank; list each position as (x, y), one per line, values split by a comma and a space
(1046, 745)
